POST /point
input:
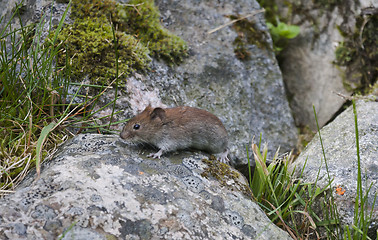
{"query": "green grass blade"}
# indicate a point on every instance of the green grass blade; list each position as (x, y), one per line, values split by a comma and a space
(249, 168)
(61, 22)
(41, 140)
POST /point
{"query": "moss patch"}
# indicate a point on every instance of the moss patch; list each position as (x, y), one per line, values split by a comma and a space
(90, 45)
(247, 35)
(226, 176)
(91, 50)
(143, 21)
(94, 8)
(359, 54)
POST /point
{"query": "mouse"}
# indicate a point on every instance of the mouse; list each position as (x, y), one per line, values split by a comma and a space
(178, 128)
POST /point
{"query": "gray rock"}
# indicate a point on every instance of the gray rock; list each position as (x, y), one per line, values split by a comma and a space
(6, 9)
(32, 11)
(97, 187)
(18, 228)
(307, 63)
(341, 154)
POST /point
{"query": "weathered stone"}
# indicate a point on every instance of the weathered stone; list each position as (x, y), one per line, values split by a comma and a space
(340, 150)
(97, 187)
(32, 11)
(308, 63)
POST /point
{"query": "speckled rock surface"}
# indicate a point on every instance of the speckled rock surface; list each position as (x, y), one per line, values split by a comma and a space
(340, 150)
(5, 11)
(97, 187)
(32, 12)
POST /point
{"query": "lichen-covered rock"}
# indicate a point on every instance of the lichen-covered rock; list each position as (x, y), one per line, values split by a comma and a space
(340, 149)
(97, 187)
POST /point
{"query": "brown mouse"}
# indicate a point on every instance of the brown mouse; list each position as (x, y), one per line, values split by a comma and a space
(171, 129)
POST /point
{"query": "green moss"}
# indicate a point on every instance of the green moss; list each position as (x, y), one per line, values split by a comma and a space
(109, 236)
(344, 54)
(358, 53)
(225, 174)
(143, 21)
(247, 35)
(90, 49)
(94, 9)
(240, 49)
(272, 13)
(89, 43)
(373, 92)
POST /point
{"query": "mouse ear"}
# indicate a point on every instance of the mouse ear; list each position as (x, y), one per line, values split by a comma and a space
(148, 108)
(158, 112)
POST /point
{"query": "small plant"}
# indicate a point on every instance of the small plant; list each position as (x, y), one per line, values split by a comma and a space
(281, 33)
(286, 200)
(67, 231)
(294, 206)
(279, 26)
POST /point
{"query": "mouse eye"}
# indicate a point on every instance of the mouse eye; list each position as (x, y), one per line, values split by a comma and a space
(136, 126)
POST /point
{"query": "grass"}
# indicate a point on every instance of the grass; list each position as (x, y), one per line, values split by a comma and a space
(285, 199)
(292, 204)
(40, 107)
(362, 219)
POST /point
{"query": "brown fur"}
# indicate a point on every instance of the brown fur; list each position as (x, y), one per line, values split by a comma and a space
(177, 128)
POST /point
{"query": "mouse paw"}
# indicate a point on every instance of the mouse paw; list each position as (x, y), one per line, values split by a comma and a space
(156, 155)
(223, 157)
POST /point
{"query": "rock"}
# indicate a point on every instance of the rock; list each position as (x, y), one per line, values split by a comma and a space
(308, 63)
(31, 11)
(341, 154)
(6, 11)
(97, 187)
